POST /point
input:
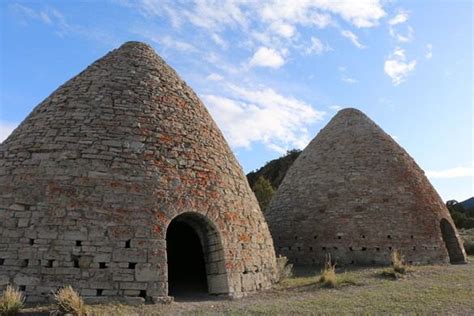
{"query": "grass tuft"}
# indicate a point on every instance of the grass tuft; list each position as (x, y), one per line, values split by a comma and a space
(328, 276)
(285, 269)
(11, 302)
(398, 269)
(69, 301)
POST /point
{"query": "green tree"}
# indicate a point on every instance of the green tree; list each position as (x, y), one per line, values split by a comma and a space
(263, 192)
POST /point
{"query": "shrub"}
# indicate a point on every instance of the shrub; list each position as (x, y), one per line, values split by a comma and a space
(11, 302)
(328, 275)
(69, 301)
(398, 268)
(398, 264)
(284, 269)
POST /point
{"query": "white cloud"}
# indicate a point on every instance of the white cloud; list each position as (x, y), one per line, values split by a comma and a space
(349, 79)
(335, 107)
(456, 172)
(352, 37)
(397, 68)
(283, 29)
(170, 42)
(219, 41)
(6, 128)
(317, 47)
(403, 38)
(429, 53)
(214, 77)
(361, 13)
(267, 57)
(262, 115)
(400, 18)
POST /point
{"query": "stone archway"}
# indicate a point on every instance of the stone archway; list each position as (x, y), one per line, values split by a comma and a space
(451, 242)
(195, 257)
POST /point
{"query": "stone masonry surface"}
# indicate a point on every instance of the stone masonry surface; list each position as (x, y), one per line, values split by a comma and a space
(355, 194)
(93, 176)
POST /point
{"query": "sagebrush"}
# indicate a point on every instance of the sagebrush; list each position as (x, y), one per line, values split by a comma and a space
(68, 301)
(11, 302)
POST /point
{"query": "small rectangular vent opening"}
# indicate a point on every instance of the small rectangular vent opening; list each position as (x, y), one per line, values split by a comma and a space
(131, 265)
(32, 241)
(142, 294)
(76, 263)
(102, 265)
(49, 264)
(78, 243)
(99, 292)
(128, 243)
(2, 262)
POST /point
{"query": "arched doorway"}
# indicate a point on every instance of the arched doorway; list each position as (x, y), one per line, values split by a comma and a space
(195, 257)
(451, 242)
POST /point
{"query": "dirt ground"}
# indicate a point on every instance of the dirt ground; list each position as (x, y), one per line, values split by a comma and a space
(440, 289)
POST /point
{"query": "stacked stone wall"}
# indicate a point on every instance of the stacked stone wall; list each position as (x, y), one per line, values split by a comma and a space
(91, 179)
(355, 194)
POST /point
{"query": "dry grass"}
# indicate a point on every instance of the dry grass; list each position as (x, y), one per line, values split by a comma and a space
(328, 276)
(284, 269)
(69, 301)
(431, 290)
(398, 269)
(11, 302)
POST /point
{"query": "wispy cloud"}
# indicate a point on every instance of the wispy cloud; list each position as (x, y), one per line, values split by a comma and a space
(397, 67)
(456, 172)
(214, 77)
(400, 18)
(316, 47)
(353, 38)
(402, 38)
(249, 115)
(6, 128)
(57, 21)
(267, 57)
(429, 52)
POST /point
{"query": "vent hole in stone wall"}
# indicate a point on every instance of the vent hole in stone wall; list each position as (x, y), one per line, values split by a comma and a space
(310, 248)
(299, 248)
(289, 248)
(339, 237)
(99, 292)
(32, 241)
(75, 263)
(296, 237)
(351, 249)
(389, 237)
(102, 265)
(2, 262)
(377, 248)
(22, 288)
(142, 294)
(24, 263)
(128, 243)
(316, 237)
(364, 248)
(49, 264)
(352, 262)
(389, 248)
(414, 248)
(78, 243)
(412, 237)
(363, 236)
(324, 248)
(131, 265)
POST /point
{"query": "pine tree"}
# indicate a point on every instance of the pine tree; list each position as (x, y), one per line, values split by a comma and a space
(263, 191)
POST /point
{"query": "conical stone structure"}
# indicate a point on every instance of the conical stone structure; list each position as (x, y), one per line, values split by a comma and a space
(94, 176)
(355, 194)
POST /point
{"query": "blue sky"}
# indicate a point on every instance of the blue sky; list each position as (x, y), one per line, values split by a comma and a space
(272, 73)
